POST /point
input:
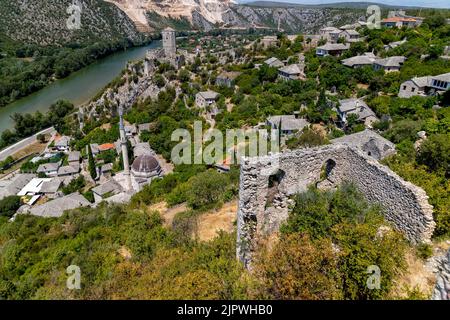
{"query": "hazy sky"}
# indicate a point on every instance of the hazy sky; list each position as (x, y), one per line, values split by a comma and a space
(418, 3)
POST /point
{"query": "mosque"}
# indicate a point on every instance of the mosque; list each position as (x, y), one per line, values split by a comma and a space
(144, 169)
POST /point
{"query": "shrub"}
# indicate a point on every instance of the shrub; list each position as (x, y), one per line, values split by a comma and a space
(9, 206)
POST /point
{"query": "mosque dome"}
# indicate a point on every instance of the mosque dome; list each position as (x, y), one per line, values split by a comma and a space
(145, 164)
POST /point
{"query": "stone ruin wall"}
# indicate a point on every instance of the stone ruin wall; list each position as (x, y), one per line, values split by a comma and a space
(404, 204)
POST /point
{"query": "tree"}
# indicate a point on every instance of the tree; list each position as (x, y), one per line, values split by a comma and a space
(207, 188)
(41, 138)
(297, 268)
(435, 153)
(91, 164)
(9, 206)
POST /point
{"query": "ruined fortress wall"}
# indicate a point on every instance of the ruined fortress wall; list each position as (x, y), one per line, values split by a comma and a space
(263, 209)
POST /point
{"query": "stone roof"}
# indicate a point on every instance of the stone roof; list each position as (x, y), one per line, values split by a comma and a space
(421, 81)
(395, 61)
(274, 62)
(209, 95)
(143, 148)
(56, 208)
(346, 105)
(367, 59)
(291, 69)
(368, 141)
(334, 46)
(169, 29)
(442, 77)
(107, 167)
(352, 32)
(145, 163)
(74, 156)
(71, 169)
(48, 167)
(13, 186)
(329, 29)
(110, 186)
(288, 122)
(51, 186)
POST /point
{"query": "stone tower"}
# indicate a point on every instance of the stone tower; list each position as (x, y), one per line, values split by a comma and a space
(124, 146)
(169, 43)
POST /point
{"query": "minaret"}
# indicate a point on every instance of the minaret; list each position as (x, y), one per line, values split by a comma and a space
(123, 143)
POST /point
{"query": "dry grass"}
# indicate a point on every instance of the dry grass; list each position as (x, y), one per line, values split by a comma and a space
(33, 148)
(210, 223)
(168, 214)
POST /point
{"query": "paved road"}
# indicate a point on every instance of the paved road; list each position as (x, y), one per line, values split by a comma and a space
(9, 151)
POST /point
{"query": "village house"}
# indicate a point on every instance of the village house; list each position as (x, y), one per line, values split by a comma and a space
(350, 35)
(399, 22)
(227, 79)
(334, 49)
(287, 124)
(389, 64)
(49, 169)
(329, 33)
(423, 86)
(40, 187)
(74, 157)
(274, 62)
(291, 72)
(106, 190)
(63, 144)
(367, 59)
(70, 170)
(357, 107)
(204, 99)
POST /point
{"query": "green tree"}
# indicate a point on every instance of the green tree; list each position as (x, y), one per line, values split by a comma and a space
(91, 164)
(9, 206)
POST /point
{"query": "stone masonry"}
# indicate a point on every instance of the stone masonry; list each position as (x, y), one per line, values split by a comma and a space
(267, 182)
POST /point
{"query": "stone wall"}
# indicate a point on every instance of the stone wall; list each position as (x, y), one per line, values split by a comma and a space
(267, 182)
(442, 287)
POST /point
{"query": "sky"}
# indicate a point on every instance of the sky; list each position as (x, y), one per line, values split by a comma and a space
(417, 3)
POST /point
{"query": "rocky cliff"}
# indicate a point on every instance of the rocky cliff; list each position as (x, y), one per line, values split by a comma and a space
(207, 14)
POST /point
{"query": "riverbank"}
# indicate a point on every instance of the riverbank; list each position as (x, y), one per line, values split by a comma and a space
(79, 88)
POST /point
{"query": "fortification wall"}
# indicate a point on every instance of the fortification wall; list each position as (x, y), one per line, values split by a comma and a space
(267, 182)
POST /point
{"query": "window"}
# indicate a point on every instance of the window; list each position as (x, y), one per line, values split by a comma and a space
(413, 89)
(404, 87)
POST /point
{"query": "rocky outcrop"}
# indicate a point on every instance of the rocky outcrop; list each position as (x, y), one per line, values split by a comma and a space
(442, 269)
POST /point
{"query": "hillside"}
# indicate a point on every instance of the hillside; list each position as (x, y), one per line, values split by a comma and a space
(44, 22)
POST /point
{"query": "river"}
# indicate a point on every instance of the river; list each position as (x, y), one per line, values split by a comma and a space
(78, 88)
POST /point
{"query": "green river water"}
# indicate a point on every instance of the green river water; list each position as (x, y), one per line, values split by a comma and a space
(79, 87)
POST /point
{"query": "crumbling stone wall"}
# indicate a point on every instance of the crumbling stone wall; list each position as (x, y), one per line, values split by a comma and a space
(262, 209)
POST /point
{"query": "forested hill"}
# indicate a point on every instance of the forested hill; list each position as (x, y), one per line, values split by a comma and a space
(43, 22)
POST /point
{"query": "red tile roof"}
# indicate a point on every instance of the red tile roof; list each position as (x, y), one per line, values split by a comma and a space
(106, 146)
(399, 19)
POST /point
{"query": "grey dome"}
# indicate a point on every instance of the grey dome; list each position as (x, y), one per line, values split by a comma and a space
(145, 163)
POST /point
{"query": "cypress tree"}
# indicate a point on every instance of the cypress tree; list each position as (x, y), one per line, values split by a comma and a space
(91, 164)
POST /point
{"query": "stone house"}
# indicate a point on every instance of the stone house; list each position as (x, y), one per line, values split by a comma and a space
(423, 86)
(389, 64)
(49, 169)
(291, 72)
(399, 22)
(359, 108)
(367, 59)
(63, 144)
(287, 124)
(269, 41)
(204, 99)
(334, 49)
(274, 62)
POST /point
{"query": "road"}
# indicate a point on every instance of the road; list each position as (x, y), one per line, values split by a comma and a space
(9, 151)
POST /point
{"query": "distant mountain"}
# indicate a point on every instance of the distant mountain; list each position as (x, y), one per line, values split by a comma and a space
(44, 22)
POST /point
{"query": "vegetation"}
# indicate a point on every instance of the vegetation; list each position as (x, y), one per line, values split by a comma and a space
(9, 206)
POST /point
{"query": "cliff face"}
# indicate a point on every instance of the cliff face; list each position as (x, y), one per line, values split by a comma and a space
(44, 22)
(207, 14)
